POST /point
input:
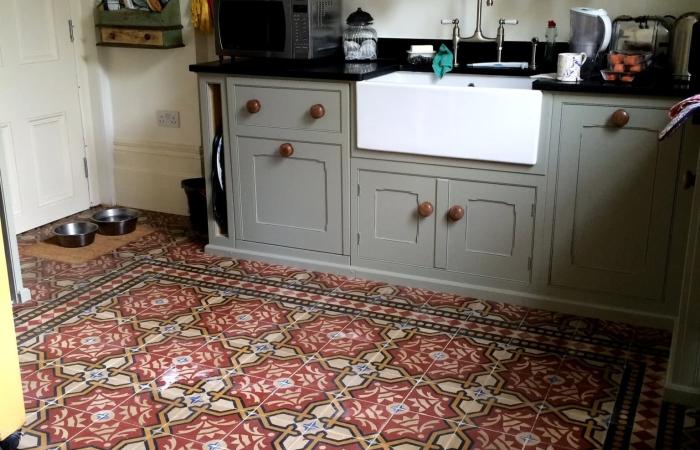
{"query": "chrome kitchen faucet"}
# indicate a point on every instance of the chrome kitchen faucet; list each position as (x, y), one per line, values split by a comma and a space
(478, 35)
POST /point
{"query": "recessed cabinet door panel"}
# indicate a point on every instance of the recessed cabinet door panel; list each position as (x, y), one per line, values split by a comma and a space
(614, 202)
(391, 228)
(292, 201)
(494, 238)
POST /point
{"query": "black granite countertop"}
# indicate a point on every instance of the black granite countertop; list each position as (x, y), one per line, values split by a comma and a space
(646, 86)
(322, 69)
(392, 57)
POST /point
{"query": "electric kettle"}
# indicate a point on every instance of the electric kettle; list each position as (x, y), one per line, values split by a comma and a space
(591, 30)
(685, 47)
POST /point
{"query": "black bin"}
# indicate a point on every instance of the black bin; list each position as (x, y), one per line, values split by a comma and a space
(195, 189)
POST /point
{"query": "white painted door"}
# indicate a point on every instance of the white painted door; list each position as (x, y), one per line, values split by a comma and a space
(41, 134)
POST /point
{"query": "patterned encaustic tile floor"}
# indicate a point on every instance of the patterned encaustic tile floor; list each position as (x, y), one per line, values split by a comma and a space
(157, 345)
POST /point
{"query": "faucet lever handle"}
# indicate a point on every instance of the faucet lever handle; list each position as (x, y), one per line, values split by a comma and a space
(450, 21)
(508, 22)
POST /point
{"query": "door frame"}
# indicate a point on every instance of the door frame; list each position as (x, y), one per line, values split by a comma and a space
(91, 93)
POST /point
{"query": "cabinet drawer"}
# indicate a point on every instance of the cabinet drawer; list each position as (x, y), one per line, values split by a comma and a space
(131, 36)
(491, 232)
(289, 108)
(293, 200)
(390, 225)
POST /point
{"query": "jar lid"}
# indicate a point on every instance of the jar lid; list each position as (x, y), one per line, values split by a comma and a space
(360, 17)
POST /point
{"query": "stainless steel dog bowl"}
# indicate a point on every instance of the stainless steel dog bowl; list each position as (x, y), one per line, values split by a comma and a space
(116, 221)
(75, 234)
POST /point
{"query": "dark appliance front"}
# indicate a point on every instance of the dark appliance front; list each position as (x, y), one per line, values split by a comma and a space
(289, 29)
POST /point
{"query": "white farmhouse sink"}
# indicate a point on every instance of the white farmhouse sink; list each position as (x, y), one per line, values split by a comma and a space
(495, 119)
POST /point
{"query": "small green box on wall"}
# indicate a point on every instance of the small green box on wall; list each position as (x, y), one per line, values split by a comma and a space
(140, 29)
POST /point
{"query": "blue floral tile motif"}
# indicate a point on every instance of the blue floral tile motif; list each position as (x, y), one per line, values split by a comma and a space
(103, 416)
(284, 383)
(262, 348)
(397, 408)
(336, 335)
(363, 369)
(311, 427)
(439, 356)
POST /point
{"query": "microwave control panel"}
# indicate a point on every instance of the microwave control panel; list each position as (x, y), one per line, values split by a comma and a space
(300, 29)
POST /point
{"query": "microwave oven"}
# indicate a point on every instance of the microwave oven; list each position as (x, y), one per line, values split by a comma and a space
(289, 29)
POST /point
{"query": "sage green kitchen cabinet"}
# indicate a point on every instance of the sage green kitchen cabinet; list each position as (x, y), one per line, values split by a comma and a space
(390, 227)
(405, 219)
(290, 162)
(597, 227)
(614, 200)
(293, 201)
(494, 238)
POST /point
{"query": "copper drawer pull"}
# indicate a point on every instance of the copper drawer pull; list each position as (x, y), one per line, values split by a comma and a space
(253, 106)
(286, 150)
(620, 118)
(456, 213)
(147, 36)
(317, 111)
(425, 209)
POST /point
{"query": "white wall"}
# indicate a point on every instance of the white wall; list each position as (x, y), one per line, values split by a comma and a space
(150, 161)
(421, 18)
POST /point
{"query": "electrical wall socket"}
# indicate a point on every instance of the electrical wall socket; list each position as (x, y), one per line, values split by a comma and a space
(169, 119)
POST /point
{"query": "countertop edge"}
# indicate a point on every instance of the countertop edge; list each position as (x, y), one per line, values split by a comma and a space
(336, 71)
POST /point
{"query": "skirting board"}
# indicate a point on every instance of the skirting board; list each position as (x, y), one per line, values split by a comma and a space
(148, 175)
(467, 290)
(290, 260)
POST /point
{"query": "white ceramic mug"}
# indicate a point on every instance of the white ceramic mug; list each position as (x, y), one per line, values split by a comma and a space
(569, 66)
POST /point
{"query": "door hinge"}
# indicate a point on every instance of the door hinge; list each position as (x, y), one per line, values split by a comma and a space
(358, 189)
(529, 263)
(532, 211)
(70, 30)
(358, 238)
(85, 166)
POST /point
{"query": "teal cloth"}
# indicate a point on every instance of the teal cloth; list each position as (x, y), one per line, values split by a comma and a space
(443, 61)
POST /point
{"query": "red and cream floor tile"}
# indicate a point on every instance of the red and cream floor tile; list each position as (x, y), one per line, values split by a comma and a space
(159, 345)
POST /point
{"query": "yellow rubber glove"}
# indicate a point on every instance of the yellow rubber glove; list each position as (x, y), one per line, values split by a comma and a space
(195, 8)
(205, 24)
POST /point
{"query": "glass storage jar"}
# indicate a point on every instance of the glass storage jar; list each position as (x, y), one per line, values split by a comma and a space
(360, 39)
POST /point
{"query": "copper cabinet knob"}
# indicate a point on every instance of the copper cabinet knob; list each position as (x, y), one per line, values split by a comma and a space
(253, 106)
(286, 150)
(147, 36)
(112, 35)
(620, 118)
(425, 209)
(456, 213)
(317, 111)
